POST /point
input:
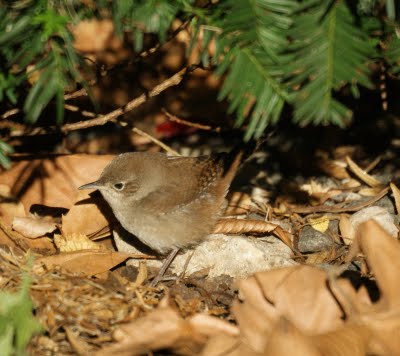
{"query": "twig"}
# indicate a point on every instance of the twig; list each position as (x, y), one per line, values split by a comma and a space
(101, 120)
(75, 108)
(12, 236)
(78, 93)
(9, 113)
(335, 209)
(188, 123)
(157, 142)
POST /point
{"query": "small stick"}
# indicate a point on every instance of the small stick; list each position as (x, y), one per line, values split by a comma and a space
(335, 209)
(133, 104)
(10, 113)
(188, 123)
(156, 141)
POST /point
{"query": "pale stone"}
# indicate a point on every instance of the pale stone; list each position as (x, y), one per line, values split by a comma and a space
(235, 256)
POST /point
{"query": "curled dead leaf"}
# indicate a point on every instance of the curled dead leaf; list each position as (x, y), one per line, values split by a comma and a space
(346, 230)
(396, 195)
(33, 227)
(362, 174)
(75, 242)
(164, 328)
(52, 181)
(240, 226)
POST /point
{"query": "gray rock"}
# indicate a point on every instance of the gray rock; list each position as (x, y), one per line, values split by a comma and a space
(386, 203)
(235, 256)
(311, 240)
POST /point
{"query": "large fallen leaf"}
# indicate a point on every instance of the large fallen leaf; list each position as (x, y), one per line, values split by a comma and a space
(362, 174)
(382, 319)
(87, 216)
(240, 226)
(88, 262)
(53, 180)
(299, 293)
(10, 207)
(163, 328)
(305, 311)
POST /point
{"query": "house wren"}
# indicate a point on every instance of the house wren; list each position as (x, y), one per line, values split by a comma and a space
(167, 202)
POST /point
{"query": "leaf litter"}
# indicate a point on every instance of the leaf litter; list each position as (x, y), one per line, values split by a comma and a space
(88, 302)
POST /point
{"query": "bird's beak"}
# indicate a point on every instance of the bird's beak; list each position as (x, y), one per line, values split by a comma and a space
(93, 185)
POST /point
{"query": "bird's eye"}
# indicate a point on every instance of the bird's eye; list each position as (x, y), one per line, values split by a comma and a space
(119, 186)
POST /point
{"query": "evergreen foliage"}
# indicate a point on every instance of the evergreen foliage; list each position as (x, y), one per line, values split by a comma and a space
(301, 53)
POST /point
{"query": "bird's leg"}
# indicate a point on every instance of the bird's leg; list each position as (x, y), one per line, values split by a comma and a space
(167, 262)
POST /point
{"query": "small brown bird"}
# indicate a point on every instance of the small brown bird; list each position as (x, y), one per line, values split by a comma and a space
(167, 202)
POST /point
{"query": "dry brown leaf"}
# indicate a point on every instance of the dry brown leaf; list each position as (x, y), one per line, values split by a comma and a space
(80, 346)
(299, 310)
(333, 168)
(321, 257)
(346, 229)
(33, 227)
(10, 207)
(319, 193)
(210, 325)
(300, 294)
(227, 346)
(382, 253)
(286, 339)
(350, 340)
(383, 257)
(88, 262)
(164, 328)
(351, 183)
(362, 174)
(75, 242)
(87, 216)
(370, 192)
(240, 226)
(314, 188)
(254, 316)
(52, 181)
(396, 195)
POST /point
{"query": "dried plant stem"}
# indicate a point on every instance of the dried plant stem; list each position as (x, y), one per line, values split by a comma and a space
(188, 123)
(156, 141)
(336, 209)
(12, 236)
(133, 104)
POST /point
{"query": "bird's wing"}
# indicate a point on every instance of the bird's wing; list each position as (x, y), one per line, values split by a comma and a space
(189, 180)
